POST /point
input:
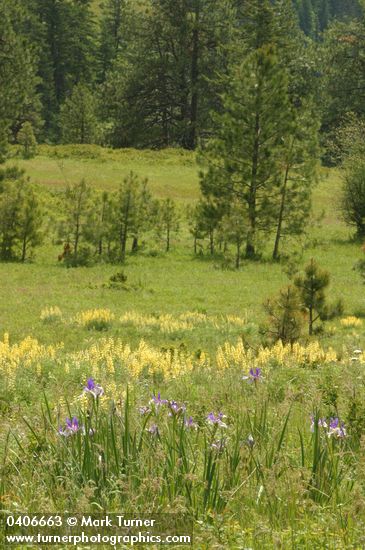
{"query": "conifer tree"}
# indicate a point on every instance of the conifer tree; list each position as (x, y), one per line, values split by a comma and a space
(76, 205)
(27, 140)
(285, 319)
(298, 162)
(113, 34)
(168, 221)
(242, 161)
(311, 286)
(78, 120)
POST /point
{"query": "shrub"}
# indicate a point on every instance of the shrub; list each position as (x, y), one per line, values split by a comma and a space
(27, 140)
(285, 318)
(311, 286)
(51, 314)
(351, 322)
(95, 319)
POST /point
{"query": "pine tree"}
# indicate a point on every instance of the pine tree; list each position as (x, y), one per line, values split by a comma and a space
(242, 161)
(311, 286)
(76, 207)
(21, 217)
(67, 53)
(168, 221)
(18, 64)
(298, 162)
(160, 90)
(27, 140)
(113, 34)
(130, 212)
(78, 119)
(234, 226)
(285, 320)
(30, 222)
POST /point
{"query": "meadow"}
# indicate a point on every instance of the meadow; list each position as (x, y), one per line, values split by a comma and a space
(261, 445)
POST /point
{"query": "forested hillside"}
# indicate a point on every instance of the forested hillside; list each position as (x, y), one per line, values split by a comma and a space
(150, 73)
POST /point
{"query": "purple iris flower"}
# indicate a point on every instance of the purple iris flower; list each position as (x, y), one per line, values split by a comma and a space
(157, 401)
(337, 428)
(176, 409)
(253, 376)
(94, 389)
(153, 429)
(144, 411)
(322, 423)
(219, 445)
(189, 423)
(72, 427)
(216, 420)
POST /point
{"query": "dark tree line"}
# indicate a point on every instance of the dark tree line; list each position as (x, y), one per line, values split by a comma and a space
(148, 73)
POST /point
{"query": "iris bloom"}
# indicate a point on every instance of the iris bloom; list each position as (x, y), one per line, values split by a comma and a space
(217, 420)
(189, 423)
(337, 428)
(153, 429)
(253, 376)
(157, 401)
(72, 427)
(321, 423)
(144, 410)
(250, 441)
(94, 389)
(218, 445)
(175, 408)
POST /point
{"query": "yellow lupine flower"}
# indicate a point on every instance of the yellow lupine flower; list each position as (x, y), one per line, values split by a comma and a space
(351, 322)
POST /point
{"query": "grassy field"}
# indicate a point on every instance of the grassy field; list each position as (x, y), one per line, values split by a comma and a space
(168, 283)
(262, 475)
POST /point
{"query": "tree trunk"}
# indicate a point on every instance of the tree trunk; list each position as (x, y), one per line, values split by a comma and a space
(211, 241)
(135, 244)
(275, 254)
(24, 249)
(168, 240)
(238, 255)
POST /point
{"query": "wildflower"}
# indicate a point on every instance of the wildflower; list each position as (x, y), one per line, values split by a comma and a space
(189, 423)
(157, 401)
(144, 410)
(321, 423)
(175, 408)
(217, 420)
(72, 427)
(219, 445)
(253, 376)
(94, 389)
(337, 428)
(153, 429)
(250, 441)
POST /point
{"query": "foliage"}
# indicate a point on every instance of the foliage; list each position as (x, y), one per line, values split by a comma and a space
(353, 197)
(21, 217)
(78, 120)
(311, 286)
(26, 138)
(285, 319)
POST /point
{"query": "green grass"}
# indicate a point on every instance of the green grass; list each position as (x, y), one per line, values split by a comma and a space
(173, 282)
(293, 489)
